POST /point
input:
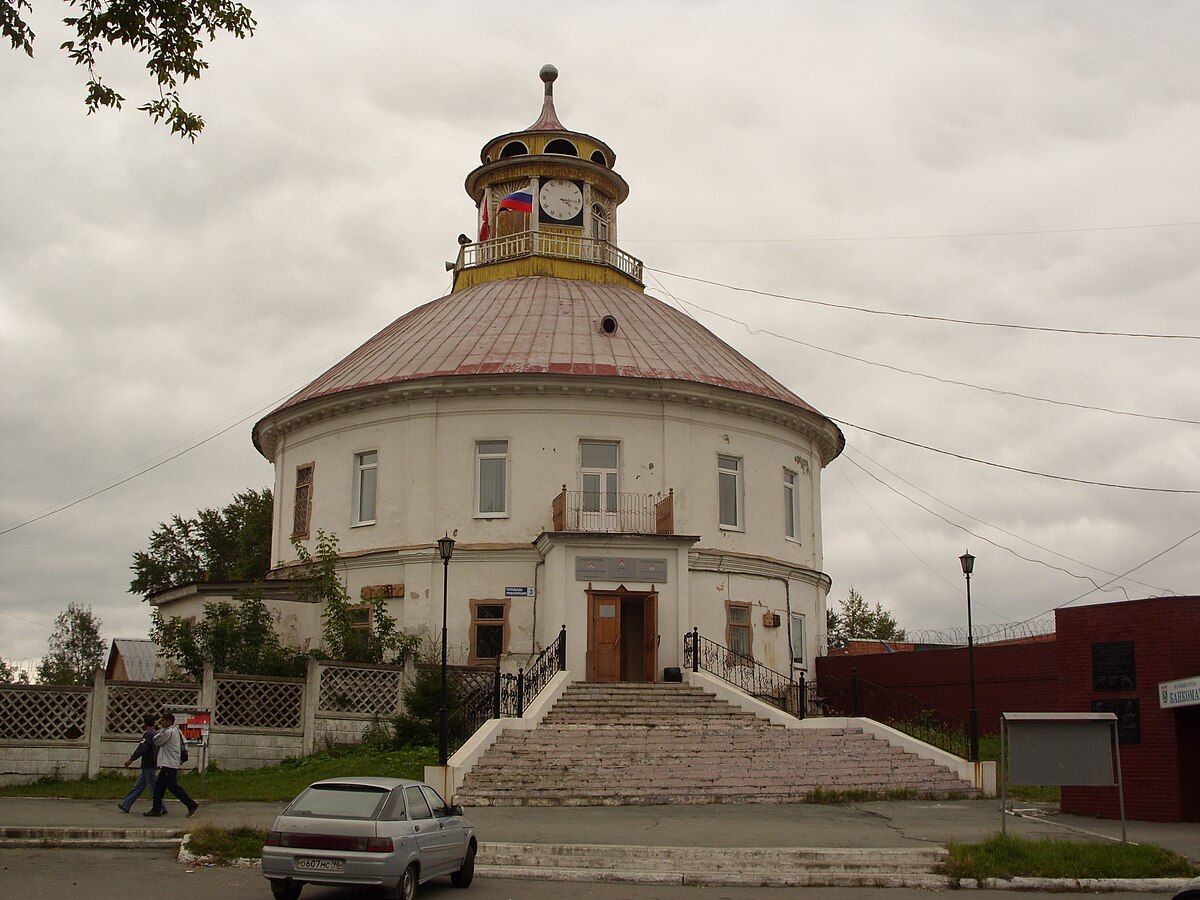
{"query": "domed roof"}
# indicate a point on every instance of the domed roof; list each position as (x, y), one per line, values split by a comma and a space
(545, 325)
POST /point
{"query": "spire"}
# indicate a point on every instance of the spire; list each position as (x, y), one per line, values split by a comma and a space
(548, 120)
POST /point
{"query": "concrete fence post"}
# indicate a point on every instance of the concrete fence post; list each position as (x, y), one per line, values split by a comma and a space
(312, 694)
(97, 716)
(208, 690)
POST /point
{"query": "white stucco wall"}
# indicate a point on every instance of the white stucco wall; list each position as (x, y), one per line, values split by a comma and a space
(426, 486)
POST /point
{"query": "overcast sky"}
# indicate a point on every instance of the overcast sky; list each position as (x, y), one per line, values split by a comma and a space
(1022, 163)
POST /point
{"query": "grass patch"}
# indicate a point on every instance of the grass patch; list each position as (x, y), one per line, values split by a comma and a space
(224, 845)
(268, 784)
(834, 797)
(1006, 857)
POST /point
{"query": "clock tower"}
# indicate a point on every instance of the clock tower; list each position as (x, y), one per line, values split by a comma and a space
(547, 200)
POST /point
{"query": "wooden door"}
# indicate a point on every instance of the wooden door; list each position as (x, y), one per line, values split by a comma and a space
(650, 611)
(604, 637)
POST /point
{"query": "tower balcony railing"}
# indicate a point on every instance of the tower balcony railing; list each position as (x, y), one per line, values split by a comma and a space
(598, 511)
(547, 243)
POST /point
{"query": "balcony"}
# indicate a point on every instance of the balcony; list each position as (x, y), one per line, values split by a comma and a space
(593, 511)
(544, 243)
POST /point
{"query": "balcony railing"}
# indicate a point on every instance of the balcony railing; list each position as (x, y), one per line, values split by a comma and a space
(546, 243)
(595, 511)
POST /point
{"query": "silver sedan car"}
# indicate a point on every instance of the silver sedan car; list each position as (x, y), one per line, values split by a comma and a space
(387, 832)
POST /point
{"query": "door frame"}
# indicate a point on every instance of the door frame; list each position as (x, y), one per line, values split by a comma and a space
(650, 630)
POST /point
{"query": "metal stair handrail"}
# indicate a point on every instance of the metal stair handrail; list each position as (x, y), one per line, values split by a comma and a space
(744, 672)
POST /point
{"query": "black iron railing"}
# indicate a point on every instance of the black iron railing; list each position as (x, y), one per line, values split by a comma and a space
(757, 680)
(491, 694)
(904, 712)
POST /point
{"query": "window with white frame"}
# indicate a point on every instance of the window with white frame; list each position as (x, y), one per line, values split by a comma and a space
(366, 468)
(491, 478)
(791, 505)
(729, 491)
(798, 656)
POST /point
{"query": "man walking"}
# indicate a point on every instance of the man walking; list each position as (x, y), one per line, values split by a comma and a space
(148, 754)
(169, 742)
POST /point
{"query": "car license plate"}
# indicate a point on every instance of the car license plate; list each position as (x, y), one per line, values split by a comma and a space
(313, 864)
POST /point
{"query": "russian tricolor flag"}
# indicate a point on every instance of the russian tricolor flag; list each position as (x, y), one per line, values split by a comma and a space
(521, 201)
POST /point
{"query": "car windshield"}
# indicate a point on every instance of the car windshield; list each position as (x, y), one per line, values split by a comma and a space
(339, 801)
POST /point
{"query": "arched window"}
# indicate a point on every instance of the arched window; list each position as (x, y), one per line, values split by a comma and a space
(514, 148)
(598, 157)
(563, 146)
(599, 222)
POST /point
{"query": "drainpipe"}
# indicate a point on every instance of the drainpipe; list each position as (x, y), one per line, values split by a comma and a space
(536, 593)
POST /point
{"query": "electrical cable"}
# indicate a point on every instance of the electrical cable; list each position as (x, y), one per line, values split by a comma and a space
(907, 237)
(996, 465)
(1026, 540)
(925, 318)
(979, 387)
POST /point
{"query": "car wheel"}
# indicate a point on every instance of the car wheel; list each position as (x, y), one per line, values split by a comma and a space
(407, 888)
(463, 877)
(286, 890)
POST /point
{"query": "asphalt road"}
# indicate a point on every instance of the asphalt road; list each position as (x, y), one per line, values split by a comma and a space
(129, 874)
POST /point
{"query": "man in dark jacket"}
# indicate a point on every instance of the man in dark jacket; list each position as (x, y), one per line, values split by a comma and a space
(148, 754)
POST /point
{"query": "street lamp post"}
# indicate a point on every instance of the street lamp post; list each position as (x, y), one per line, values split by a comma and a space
(968, 566)
(445, 551)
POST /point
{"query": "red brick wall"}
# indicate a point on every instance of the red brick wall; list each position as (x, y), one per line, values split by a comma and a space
(1160, 773)
(1008, 678)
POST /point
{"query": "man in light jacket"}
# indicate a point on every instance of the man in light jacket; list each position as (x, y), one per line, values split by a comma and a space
(169, 742)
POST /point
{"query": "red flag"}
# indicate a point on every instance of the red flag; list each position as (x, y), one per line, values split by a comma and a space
(485, 230)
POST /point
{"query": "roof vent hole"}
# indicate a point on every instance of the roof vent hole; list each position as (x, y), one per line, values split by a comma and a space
(608, 325)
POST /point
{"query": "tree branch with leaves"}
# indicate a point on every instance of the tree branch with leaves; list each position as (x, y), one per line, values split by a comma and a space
(170, 34)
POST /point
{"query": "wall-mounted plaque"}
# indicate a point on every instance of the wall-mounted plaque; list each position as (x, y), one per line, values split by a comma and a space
(1112, 667)
(631, 569)
(1129, 718)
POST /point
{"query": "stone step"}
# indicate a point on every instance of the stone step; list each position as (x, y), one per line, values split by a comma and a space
(711, 859)
(669, 743)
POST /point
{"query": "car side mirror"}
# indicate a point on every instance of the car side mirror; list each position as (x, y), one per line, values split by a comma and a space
(455, 810)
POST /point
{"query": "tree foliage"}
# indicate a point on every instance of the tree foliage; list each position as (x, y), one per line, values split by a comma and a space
(240, 639)
(10, 675)
(76, 649)
(857, 620)
(318, 580)
(169, 34)
(229, 544)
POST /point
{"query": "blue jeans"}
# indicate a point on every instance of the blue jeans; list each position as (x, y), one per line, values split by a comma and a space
(146, 779)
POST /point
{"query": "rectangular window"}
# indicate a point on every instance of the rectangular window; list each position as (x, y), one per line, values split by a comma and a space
(598, 476)
(790, 504)
(729, 491)
(738, 633)
(302, 510)
(359, 639)
(366, 468)
(489, 630)
(798, 639)
(491, 478)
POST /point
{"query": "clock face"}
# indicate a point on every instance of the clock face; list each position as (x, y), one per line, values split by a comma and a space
(561, 199)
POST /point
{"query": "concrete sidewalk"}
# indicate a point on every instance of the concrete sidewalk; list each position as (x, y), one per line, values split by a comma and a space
(896, 824)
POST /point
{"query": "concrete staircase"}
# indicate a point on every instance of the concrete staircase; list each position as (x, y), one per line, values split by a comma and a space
(652, 744)
(741, 866)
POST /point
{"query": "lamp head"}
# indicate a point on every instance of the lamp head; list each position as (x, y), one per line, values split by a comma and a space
(445, 547)
(968, 563)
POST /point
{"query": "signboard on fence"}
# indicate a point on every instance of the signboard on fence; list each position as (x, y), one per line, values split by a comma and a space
(194, 722)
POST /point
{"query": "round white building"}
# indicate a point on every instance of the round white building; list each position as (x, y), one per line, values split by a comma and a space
(602, 461)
